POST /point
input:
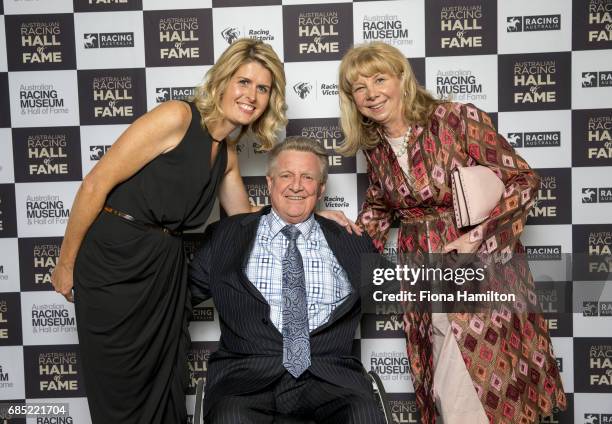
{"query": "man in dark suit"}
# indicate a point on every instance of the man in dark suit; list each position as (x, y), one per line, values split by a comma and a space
(286, 284)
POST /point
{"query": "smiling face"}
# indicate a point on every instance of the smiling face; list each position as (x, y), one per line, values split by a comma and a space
(247, 94)
(379, 98)
(294, 183)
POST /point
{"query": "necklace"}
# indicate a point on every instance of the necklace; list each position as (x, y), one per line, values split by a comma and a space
(404, 146)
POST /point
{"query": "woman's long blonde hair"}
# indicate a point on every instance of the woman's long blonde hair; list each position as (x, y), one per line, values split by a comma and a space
(367, 60)
(208, 96)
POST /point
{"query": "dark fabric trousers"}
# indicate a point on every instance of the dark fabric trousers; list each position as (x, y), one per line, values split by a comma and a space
(307, 397)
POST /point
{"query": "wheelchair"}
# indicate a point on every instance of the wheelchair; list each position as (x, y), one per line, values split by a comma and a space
(377, 387)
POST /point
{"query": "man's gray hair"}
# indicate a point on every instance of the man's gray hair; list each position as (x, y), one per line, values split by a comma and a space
(300, 144)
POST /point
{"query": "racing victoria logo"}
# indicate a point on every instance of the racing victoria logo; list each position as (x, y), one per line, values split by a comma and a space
(230, 34)
(302, 89)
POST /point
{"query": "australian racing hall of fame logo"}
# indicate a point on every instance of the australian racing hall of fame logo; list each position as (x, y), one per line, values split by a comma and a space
(40, 42)
(163, 94)
(178, 37)
(10, 319)
(52, 372)
(197, 363)
(533, 23)
(38, 257)
(317, 32)
(328, 133)
(114, 96)
(593, 79)
(596, 195)
(464, 28)
(51, 154)
(593, 357)
(104, 40)
(592, 25)
(257, 190)
(592, 248)
(539, 81)
(592, 137)
(554, 202)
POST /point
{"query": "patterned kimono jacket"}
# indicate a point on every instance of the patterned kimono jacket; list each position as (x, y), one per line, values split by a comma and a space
(507, 353)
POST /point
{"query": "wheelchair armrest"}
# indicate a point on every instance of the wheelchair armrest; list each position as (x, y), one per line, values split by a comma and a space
(381, 394)
(199, 397)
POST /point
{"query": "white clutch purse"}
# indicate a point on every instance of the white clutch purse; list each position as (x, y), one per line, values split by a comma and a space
(476, 191)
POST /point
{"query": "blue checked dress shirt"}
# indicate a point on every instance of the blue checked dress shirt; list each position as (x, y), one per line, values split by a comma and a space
(327, 284)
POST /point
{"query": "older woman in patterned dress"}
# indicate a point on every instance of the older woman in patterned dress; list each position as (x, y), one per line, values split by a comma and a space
(499, 366)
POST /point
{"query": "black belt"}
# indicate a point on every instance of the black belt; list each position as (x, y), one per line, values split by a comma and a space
(130, 218)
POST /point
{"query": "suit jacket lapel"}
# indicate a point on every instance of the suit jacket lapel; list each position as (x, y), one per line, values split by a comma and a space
(332, 235)
(244, 245)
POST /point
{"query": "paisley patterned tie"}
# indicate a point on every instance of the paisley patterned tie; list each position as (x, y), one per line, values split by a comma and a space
(296, 338)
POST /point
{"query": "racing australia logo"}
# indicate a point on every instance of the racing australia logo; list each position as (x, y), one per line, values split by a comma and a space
(589, 79)
(589, 195)
(90, 41)
(302, 89)
(162, 95)
(230, 34)
(514, 24)
(515, 139)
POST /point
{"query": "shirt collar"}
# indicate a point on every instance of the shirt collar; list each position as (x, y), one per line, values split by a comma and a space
(276, 224)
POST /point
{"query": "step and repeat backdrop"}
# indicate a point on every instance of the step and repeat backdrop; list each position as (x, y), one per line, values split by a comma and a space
(75, 73)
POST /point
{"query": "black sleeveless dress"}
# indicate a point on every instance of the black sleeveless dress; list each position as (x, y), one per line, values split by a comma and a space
(130, 285)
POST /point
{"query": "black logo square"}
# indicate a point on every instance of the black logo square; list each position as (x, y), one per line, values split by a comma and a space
(162, 94)
(96, 152)
(106, 5)
(38, 257)
(5, 107)
(10, 319)
(178, 37)
(592, 370)
(40, 42)
(91, 41)
(592, 137)
(514, 24)
(238, 3)
(53, 371)
(317, 32)
(8, 212)
(537, 81)
(111, 96)
(589, 79)
(197, 363)
(515, 139)
(328, 133)
(472, 30)
(590, 309)
(592, 247)
(47, 154)
(589, 195)
(554, 204)
(591, 27)
(591, 418)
